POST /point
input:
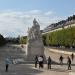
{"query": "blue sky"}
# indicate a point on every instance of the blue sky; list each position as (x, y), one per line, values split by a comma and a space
(62, 7)
(17, 15)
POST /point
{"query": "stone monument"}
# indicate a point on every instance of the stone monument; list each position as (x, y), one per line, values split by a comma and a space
(35, 44)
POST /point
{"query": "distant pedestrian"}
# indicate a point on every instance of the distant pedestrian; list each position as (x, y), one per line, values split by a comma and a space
(49, 62)
(36, 61)
(40, 60)
(72, 56)
(7, 62)
(61, 59)
(69, 63)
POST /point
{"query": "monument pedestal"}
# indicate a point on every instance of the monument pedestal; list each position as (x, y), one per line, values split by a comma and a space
(34, 49)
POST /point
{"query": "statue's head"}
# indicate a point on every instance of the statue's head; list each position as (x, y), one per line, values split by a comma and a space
(34, 19)
(34, 22)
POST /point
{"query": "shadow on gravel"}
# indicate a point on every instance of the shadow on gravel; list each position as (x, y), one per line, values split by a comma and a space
(58, 70)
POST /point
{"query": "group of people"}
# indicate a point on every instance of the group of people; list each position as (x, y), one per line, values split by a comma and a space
(69, 60)
(40, 60)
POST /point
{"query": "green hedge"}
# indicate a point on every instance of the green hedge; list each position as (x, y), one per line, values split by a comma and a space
(64, 37)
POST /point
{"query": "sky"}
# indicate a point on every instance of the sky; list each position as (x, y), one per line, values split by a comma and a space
(17, 15)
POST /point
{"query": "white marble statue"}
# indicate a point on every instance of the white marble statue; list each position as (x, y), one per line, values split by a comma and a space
(35, 45)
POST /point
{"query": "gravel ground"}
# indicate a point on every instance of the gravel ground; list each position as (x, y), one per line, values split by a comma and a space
(17, 52)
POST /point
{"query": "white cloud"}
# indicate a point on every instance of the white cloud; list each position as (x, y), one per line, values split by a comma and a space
(35, 12)
(14, 23)
(49, 13)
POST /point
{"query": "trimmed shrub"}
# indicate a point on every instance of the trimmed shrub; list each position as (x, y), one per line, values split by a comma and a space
(64, 37)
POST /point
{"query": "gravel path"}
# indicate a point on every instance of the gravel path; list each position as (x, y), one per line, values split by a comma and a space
(15, 51)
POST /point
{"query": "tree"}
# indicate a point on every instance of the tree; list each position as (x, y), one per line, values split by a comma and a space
(2, 40)
(23, 40)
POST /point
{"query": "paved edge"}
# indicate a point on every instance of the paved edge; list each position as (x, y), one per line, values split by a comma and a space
(71, 73)
(60, 51)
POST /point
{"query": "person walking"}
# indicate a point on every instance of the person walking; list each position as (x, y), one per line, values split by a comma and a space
(7, 62)
(69, 63)
(40, 59)
(49, 62)
(36, 61)
(61, 59)
(42, 64)
(72, 56)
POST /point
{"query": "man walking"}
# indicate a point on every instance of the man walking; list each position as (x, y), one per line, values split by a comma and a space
(69, 63)
(72, 56)
(36, 61)
(61, 59)
(49, 62)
